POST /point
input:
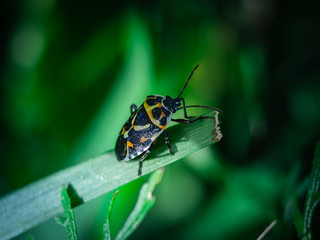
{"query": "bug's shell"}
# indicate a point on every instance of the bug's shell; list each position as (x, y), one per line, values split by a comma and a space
(143, 127)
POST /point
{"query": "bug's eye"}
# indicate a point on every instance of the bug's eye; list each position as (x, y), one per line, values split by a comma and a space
(151, 102)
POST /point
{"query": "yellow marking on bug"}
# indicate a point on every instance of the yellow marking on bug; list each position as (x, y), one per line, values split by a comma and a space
(122, 131)
(139, 128)
(164, 126)
(143, 139)
(149, 112)
(129, 144)
(133, 118)
(125, 135)
(162, 115)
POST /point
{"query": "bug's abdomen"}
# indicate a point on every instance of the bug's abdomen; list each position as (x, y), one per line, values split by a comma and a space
(121, 148)
(136, 136)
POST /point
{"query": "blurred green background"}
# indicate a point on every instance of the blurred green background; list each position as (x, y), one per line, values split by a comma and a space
(71, 69)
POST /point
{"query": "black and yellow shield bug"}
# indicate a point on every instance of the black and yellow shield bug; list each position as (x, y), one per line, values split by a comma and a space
(148, 121)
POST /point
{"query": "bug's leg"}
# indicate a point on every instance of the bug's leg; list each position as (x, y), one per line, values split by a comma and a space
(133, 107)
(188, 121)
(141, 160)
(146, 153)
(166, 138)
(184, 109)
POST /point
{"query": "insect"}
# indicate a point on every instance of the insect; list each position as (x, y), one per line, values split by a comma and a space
(148, 121)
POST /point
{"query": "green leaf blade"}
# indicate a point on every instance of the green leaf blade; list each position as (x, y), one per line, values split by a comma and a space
(297, 217)
(68, 221)
(40, 201)
(313, 196)
(106, 226)
(143, 205)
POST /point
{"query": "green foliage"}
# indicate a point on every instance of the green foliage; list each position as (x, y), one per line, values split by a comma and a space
(143, 205)
(68, 221)
(39, 201)
(106, 226)
(304, 223)
(70, 71)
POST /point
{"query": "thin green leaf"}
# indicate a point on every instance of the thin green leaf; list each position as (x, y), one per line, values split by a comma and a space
(143, 205)
(68, 221)
(297, 216)
(313, 196)
(30, 238)
(40, 201)
(106, 225)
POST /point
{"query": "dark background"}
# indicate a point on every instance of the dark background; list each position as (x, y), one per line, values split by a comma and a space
(70, 70)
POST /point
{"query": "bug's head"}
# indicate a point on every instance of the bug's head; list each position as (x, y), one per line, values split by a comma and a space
(172, 104)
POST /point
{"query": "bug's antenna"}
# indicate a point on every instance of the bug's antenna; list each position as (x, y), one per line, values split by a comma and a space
(187, 81)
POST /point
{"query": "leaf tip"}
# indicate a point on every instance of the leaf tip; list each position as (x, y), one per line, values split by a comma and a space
(217, 131)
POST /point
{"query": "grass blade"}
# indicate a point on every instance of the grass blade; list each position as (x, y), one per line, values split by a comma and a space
(68, 221)
(40, 201)
(313, 196)
(106, 225)
(297, 216)
(143, 205)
